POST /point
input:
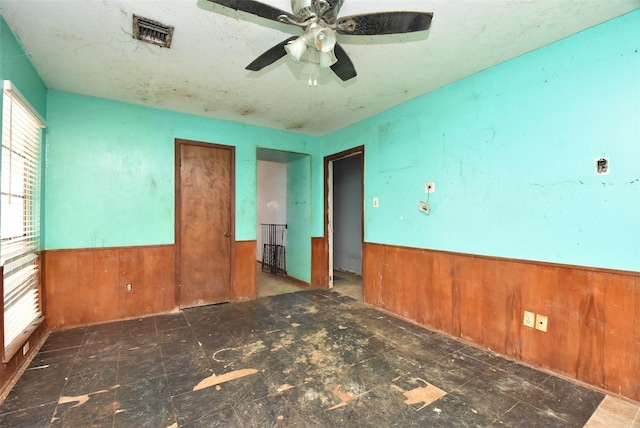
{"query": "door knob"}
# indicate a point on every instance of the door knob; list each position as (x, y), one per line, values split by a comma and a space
(227, 234)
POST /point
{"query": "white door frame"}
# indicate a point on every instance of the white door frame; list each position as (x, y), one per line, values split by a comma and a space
(330, 220)
(353, 152)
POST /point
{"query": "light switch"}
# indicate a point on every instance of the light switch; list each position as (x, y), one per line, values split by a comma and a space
(375, 202)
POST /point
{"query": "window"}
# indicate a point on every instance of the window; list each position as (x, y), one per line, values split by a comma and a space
(19, 219)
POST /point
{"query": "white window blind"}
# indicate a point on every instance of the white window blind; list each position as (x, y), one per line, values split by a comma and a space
(20, 215)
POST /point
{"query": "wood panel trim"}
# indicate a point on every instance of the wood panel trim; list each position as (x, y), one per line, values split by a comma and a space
(87, 286)
(10, 369)
(88, 249)
(594, 314)
(244, 270)
(319, 262)
(298, 281)
(2, 321)
(507, 259)
(13, 363)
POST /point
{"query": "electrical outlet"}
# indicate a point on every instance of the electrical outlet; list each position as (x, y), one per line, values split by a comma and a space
(429, 187)
(424, 207)
(529, 319)
(541, 322)
(128, 287)
(25, 348)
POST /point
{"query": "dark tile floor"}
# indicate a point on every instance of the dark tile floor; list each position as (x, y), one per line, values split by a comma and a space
(305, 359)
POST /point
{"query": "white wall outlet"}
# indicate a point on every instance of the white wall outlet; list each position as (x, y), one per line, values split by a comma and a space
(25, 348)
(128, 287)
(424, 207)
(375, 202)
(529, 319)
(541, 322)
(429, 187)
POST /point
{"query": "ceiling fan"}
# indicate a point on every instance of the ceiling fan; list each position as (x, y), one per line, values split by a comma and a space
(320, 22)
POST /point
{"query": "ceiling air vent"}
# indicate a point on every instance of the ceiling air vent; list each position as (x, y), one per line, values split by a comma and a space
(151, 31)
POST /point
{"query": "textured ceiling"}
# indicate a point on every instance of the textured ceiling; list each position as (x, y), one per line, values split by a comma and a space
(86, 47)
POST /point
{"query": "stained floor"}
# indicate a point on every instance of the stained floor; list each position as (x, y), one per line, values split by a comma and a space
(347, 283)
(303, 359)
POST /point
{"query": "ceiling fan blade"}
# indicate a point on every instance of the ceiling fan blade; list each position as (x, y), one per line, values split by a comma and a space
(343, 68)
(371, 24)
(255, 8)
(270, 56)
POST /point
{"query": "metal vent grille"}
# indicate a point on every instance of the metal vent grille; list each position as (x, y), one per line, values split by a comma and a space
(151, 31)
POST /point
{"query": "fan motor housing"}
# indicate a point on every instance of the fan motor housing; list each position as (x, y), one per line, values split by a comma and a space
(303, 8)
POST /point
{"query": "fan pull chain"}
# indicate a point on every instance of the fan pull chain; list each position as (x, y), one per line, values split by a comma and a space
(313, 67)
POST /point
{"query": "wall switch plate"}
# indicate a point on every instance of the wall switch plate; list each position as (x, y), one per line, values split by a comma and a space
(541, 322)
(25, 348)
(424, 207)
(128, 287)
(429, 187)
(375, 202)
(529, 319)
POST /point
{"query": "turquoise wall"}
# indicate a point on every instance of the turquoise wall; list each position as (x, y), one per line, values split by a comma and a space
(317, 192)
(16, 66)
(299, 218)
(512, 152)
(110, 170)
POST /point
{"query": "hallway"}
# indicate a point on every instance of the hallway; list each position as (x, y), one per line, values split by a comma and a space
(345, 283)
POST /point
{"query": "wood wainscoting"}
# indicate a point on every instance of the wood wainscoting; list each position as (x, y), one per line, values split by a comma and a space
(593, 314)
(244, 270)
(319, 263)
(10, 369)
(87, 286)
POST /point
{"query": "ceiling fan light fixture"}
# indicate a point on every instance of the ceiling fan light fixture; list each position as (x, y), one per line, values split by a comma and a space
(324, 39)
(327, 59)
(319, 19)
(296, 48)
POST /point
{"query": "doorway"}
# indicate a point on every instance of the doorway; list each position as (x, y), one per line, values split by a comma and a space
(284, 203)
(204, 222)
(345, 220)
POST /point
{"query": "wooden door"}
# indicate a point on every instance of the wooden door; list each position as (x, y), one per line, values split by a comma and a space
(204, 223)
